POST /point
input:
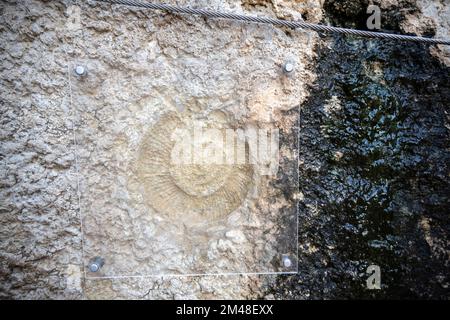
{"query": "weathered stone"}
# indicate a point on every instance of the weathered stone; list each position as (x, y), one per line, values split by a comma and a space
(209, 63)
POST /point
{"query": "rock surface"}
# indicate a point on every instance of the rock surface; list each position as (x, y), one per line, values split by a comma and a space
(374, 168)
(373, 138)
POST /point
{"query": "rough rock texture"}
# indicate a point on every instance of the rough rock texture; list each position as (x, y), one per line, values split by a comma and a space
(373, 136)
(374, 170)
(435, 17)
(141, 213)
(40, 233)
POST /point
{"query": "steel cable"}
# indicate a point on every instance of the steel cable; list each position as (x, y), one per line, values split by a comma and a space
(275, 22)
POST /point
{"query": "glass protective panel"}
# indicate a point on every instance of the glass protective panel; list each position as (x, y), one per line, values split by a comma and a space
(187, 156)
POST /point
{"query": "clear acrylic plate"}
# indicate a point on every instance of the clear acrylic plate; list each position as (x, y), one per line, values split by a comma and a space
(188, 163)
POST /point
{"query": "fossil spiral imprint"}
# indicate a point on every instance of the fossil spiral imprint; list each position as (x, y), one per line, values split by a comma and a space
(209, 191)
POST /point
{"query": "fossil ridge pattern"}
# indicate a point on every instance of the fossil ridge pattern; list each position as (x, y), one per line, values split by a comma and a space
(198, 191)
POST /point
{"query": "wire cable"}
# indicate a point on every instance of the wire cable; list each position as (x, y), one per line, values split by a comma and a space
(275, 22)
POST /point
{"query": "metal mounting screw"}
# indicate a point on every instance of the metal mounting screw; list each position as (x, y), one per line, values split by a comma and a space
(287, 263)
(96, 264)
(288, 67)
(80, 70)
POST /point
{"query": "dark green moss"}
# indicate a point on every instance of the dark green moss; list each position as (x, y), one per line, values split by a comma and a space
(373, 172)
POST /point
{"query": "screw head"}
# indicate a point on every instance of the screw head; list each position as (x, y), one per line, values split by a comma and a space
(287, 263)
(93, 267)
(80, 70)
(288, 67)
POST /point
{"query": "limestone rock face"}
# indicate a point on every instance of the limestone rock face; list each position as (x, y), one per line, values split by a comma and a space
(151, 75)
(91, 137)
(435, 15)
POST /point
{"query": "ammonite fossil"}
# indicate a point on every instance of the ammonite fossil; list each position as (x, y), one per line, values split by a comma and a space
(208, 191)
